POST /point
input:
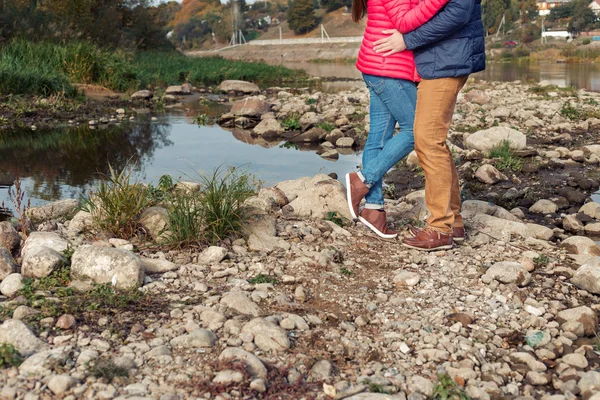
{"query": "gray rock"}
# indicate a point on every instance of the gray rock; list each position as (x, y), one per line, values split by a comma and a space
(59, 384)
(81, 222)
(587, 276)
(252, 107)
(509, 272)
(179, 90)
(42, 363)
(238, 86)
(87, 356)
(120, 267)
(228, 377)
(195, 339)
(593, 229)
(407, 278)
(345, 142)
(499, 228)
(313, 135)
(267, 335)
(7, 264)
(310, 119)
(41, 261)
(529, 360)
(537, 378)
(9, 238)
(575, 360)
(543, 207)
(321, 370)
(11, 285)
(155, 221)
(330, 154)
(572, 224)
(420, 385)
(478, 97)
(540, 232)
(580, 245)
(142, 95)
(43, 239)
(252, 364)
(241, 303)
(591, 209)
(584, 315)
(19, 335)
(158, 266)
(487, 139)
(589, 383)
(489, 174)
(58, 210)
(268, 128)
(212, 255)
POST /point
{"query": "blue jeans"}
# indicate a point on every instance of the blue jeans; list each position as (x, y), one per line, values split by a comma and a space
(392, 100)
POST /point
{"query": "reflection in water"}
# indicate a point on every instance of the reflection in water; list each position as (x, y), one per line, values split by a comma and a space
(62, 163)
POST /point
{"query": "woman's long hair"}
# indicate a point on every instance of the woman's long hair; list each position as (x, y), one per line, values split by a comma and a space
(359, 9)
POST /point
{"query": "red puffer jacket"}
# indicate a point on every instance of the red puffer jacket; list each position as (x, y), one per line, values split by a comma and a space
(404, 15)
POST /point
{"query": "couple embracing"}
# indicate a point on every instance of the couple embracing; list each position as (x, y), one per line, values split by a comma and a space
(415, 57)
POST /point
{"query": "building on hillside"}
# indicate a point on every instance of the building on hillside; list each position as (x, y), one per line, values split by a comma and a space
(595, 7)
(544, 6)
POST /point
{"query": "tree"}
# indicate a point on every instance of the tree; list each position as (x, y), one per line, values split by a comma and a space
(528, 10)
(580, 17)
(493, 10)
(332, 5)
(301, 16)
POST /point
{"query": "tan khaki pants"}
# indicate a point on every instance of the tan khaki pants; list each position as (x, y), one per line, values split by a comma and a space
(436, 99)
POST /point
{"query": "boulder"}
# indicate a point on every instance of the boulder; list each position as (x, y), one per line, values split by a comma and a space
(478, 97)
(591, 209)
(584, 315)
(58, 210)
(252, 364)
(42, 363)
(314, 135)
(580, 245)
(587, 276)
(9, 237)
(540, 232)
(572, 224)
(543, 207)
(252, 107)
(17, 334)
(499, 228)
(509, 272)
(102, 265)
(36, 240)
(81, 222)
(262, 233)
(41, 261)
(487, 139)
(334, 136)
(59, 384)
(11, 285)
(268, 128)
(593, 229)
(316, 197)
(310, 119)
(142, 95)
(212, 255)
(489, 174)
(7, 264)
(238, 87)
(345, 142)
(155, 221)
(267, 335)
(241, 303)
(179, 90)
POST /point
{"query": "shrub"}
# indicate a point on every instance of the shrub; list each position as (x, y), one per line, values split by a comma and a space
(116, 203)
(507, 159)
(586, 42)
(291, 123)
(9, 356)
(185, 219)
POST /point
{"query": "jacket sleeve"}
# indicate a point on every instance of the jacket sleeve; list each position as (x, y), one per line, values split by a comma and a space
(452, 17)
(406, 19)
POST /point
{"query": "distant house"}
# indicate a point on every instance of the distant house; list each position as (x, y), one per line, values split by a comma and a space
(267, 19)
(595, 7)
(544, 6)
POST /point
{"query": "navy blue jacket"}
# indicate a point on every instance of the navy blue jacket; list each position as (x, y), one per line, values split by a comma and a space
(451, 44)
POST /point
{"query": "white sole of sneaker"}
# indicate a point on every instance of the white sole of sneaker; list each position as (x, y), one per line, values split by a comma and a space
(349, 197)
(380, 234)
(446, 247)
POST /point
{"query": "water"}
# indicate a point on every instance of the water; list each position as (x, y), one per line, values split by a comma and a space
(581, 76)
(65, 163)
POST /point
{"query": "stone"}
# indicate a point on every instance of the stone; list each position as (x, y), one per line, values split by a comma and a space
(212, 255)
(260, 386)
(228, 377)
(478, 97)
(587, 276)
(41, 261)
(589, 383)
(11, 285)
(122, 268)
(241, 303)
(252, 107)
(238, 86)
(315, 197)
(509, 272)
(17, 334)
(66, 322)
(330, 154)
(489, 174)
(213, 319)
(310, 119)
(584, 315)
(593, 229)
(262, 233)
(267, 335)
(23, 312)
(536, 378)
(591, 209)
(321, 370)
(529, 360)
(142, 95)
(543, 207)
(36, 240)
(418, 384)
(313, 135)
(7, 264)
(540, 232)
(195, 339)
(158, 266)
(252, 364)
(268, 128)
(81, 222)
(344, 142)
(575, 360)
(572, 224)
(334, 136)
(501, 113)
(487, 139)
(179, 90)
(155, 221)
(58, 210)
(406, 278)
(60, 384)
(580, 245)
(9, 238)
(379, 396)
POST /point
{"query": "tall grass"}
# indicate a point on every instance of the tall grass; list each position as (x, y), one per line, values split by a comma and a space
(45, 68)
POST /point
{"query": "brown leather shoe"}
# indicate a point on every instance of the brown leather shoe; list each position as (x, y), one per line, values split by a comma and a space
(429, 239)
(376, 221)
(458, 233)
(356, 190)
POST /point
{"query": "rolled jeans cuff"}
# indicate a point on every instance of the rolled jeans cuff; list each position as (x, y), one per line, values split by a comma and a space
(371, 206)
(364, 179)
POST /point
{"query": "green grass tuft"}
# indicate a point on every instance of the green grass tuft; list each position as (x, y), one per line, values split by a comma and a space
(9, 356)
(447, 389)
(507, 159)
(263, 279)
